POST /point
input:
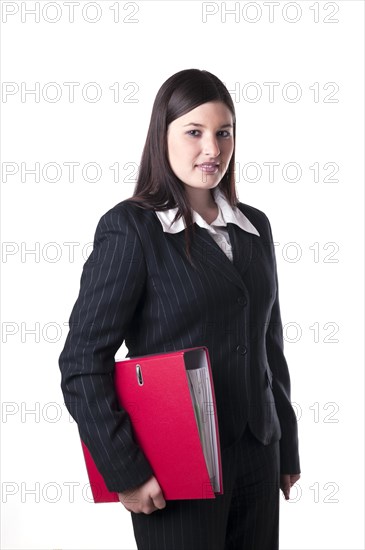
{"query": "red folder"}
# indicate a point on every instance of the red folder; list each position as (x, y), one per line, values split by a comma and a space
(169, 425)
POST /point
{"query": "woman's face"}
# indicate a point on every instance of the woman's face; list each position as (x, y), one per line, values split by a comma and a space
(200, 144)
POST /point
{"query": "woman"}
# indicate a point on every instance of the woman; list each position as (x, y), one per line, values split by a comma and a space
(181, 264)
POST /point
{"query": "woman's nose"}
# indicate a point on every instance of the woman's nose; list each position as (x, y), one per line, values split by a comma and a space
(211, 147)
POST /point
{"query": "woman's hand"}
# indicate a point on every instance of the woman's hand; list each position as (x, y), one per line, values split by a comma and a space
(146, 498)
(286, 482)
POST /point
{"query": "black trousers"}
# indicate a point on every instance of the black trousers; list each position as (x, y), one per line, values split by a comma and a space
(245, 517)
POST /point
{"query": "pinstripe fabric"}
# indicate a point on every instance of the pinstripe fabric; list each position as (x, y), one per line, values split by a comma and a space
(245, 517)
(138, 287)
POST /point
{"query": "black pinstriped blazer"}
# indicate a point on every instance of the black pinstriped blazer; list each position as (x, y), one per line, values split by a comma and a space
(138, 287)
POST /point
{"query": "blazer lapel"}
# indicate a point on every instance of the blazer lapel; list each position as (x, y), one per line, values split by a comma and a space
(241, 242)
(208, 252)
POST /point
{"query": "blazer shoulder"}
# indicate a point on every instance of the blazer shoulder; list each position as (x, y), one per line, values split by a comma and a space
(257, 217)
(127, 212)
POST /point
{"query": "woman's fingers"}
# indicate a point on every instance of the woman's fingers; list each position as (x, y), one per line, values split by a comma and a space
(146, 498)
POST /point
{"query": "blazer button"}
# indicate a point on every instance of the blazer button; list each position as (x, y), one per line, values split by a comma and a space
(241, 349)
(242, 300)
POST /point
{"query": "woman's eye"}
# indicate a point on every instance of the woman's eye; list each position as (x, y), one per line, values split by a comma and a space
(225, 132)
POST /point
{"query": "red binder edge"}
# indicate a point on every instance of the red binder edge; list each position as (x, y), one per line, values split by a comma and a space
(220, 492)
(98, 487)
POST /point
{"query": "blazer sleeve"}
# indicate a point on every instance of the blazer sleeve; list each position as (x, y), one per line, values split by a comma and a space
(111, 286)
(289, 452)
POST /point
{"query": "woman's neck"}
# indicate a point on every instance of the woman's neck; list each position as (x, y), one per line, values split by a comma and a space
(201, 200)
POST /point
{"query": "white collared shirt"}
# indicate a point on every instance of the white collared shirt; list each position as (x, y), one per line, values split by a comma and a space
(218, 228)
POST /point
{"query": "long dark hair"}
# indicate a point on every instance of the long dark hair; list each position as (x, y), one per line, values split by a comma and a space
(157, 185)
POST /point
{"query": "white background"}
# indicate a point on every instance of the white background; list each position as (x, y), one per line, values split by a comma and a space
(317, 224)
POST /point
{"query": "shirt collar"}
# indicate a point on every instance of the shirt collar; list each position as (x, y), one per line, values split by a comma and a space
(226, 214)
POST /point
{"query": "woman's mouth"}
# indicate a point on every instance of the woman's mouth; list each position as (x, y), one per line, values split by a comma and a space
(208, 167)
